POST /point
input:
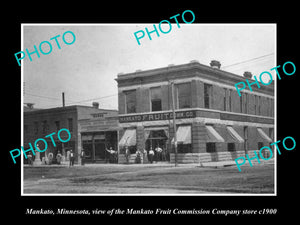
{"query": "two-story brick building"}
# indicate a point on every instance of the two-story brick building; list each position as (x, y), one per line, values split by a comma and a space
(212, 122)
(42, 122)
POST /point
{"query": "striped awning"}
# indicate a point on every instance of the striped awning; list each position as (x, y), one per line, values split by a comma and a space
(235, 135)
(148, 130)
(264, 135)
(128, 138)
(212, 135)
(183, 135)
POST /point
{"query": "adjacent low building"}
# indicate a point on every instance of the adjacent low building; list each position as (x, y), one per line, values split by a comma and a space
(39, 123)
(98, 135)
(212, 122)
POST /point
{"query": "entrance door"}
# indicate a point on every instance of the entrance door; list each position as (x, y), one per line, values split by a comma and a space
(158, 138)
(99, 150)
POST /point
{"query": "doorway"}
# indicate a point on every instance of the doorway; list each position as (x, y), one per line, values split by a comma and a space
(158, 142)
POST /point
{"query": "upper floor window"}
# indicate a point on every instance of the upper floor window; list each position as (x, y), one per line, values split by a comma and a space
(259, 103)
(156, 99)
(224, 100)
(255, 104)
(44, 126)
(246, 103)
(229, 99)
(184, 95)
(130, 99)
(26, 128)
(36, 127)
(207, 95)
(57, 125)
(241, 103)
(70, 124)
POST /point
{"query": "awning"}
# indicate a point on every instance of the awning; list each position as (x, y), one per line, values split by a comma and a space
(264, 135)
(235, 135)
(128, 138)
(86, 137)
(99, 136)
(148, 130)
(212, 135)
(183, 135)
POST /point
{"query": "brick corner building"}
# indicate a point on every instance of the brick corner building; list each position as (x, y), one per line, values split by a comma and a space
(212, 122)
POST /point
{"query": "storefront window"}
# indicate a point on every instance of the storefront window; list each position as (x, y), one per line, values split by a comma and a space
(231, 147)
(184, 148)
(184, 95)
(210, 147)
(87, 146)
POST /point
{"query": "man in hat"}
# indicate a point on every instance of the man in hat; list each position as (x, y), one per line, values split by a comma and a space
(82, 155)
(72, 158)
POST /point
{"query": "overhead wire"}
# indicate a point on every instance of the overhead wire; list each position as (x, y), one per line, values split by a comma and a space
(249, 60)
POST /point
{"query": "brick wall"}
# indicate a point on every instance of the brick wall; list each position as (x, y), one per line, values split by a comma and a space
(121, 103)
(143, 100)
(251, 106)
(166, 100)
(140, 138)
(198, 137)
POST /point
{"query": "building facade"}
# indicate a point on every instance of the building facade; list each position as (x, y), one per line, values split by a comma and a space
(212, 122)
(99, 135)
(42, 122)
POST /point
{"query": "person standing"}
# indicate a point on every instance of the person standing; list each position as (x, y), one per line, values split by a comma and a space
(158, 151)
(138, 156)
(58, 158)
(72, 158)
(82, 155)
(144, 156)
(30, 160)
(114, 155)
(163, 154)
(151, 155)
(50, 158)
(127, 154)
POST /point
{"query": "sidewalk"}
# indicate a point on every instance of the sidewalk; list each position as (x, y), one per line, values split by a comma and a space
(232, 163)
(159, 164)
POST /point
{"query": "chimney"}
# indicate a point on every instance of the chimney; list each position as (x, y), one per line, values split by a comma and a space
(95, 105)
(247, 74)
(215, 64)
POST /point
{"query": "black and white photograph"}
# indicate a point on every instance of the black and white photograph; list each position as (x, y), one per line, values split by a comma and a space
(162, 117)
(132, 112)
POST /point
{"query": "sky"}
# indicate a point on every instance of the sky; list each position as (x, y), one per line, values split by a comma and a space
(86, 70)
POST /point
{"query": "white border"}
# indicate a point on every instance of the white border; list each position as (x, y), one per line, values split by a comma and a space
(116, 24)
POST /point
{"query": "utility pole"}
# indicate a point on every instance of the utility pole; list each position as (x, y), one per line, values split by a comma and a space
(174, 121)
(63, 99)
(62, 144)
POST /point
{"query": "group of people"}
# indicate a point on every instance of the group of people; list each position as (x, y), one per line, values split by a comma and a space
(158, 154)
(46, 159)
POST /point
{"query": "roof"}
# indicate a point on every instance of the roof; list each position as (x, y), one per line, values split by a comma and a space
(68, 108)
(193, 69)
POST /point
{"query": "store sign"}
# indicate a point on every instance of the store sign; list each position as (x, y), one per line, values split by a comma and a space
(157, 116)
